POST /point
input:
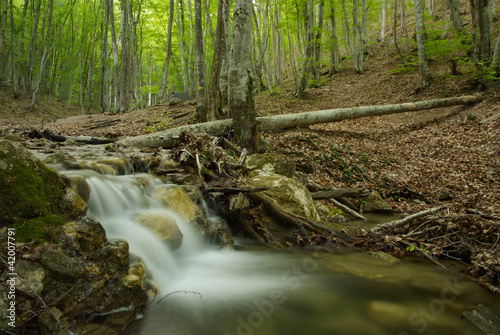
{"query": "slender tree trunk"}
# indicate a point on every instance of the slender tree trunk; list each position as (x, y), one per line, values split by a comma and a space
(475, 29)
(334, 44)
(200, 90)
(317, 43)
(116, 54)
(306, 64)
(404, 26)
(456, 19)
(182, 44)
(495, 60)
(15, 81)
(383, 17)
(347, 29)
(240, 80)
(485, 19)
(163, 86)
(3, 24)
(214, 107)
(422, 55)
(104, 92)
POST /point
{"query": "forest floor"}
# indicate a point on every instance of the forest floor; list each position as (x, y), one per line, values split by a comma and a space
(416, 159)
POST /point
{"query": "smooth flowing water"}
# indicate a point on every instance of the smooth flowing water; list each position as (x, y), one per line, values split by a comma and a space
(255, 290)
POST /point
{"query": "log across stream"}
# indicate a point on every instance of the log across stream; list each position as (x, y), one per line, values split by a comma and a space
(256, 290)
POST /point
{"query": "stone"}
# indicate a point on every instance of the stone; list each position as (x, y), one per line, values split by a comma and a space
(64, 159)
(30, 191)
(52, 322)
(33, 277)
(99, 167)
(374, 202)
(271, 163)
(287, 192)
(80, 186)
(179, 201)
(61, 266)
(75, 204)
(163, 225)
(120, 164)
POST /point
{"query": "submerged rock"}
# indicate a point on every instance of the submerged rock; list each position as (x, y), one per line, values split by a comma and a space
(163, 225)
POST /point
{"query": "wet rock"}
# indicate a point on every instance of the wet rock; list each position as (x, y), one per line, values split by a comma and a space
(179, 201)
(119, 164)
(135, 275)
(374, 202)
(90, 234)
(163, 225)
(384, 256)
(64, 159)
(52, 322)
(75, 204)
(80, 186)
(61, 266)
(116, 253)
(98, 167)
(271, 164)
(33, 277)
(288, 192)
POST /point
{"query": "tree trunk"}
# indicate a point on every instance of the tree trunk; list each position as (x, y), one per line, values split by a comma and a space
(316, 68)
(495, 60)
(306, 64)
(485, 19)
(164, 79)
(104, 92)
(15, 82)
(422, 55)
(170, 137)
(116, 55)
(383, 16)
(346, 27)
(334, 47)
(200, 89)
(456, 20)
(240, 80)
(214, 104)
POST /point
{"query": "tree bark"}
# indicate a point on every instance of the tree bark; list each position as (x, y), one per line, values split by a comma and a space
(306, 64)
(495, 60)
(170, 137)
(334, 46)
(241, 97)
(164, 79)
(422, 55)
(214, 97)
(456, 20)
(200, 89)
(316, 69)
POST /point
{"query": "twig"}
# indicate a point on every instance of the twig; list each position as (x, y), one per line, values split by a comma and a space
(185, 292)
(425, 253)
(347, 209)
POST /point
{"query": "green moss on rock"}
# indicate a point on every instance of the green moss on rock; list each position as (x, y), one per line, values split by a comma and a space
(31, 195)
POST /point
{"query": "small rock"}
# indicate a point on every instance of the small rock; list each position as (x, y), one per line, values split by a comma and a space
(52, 322)
(61, 266)
(32, 275)
(375, 203)
(80, 185)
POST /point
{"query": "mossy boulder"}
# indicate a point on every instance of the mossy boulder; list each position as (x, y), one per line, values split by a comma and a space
(32, 194)
(287, 192)
(271, 164)
(374, 203)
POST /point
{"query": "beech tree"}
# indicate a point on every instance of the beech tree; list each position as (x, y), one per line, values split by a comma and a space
(241, 97)
(422, 55)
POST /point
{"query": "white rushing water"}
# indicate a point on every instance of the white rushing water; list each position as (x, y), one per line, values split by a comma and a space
(258, 291)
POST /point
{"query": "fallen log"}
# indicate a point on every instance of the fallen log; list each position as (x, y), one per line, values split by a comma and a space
(484, 319)
(170, 137)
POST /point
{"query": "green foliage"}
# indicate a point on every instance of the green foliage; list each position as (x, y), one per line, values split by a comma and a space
(451, 49)
(160, 124)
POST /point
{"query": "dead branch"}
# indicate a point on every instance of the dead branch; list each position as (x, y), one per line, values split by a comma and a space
(483, 319)
(406, 220)
(347, 209)
(221, 189)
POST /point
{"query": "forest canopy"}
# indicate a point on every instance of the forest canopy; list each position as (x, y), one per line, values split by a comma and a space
(115, 56)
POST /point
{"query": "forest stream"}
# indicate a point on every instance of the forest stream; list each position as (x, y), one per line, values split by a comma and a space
(257, 290)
